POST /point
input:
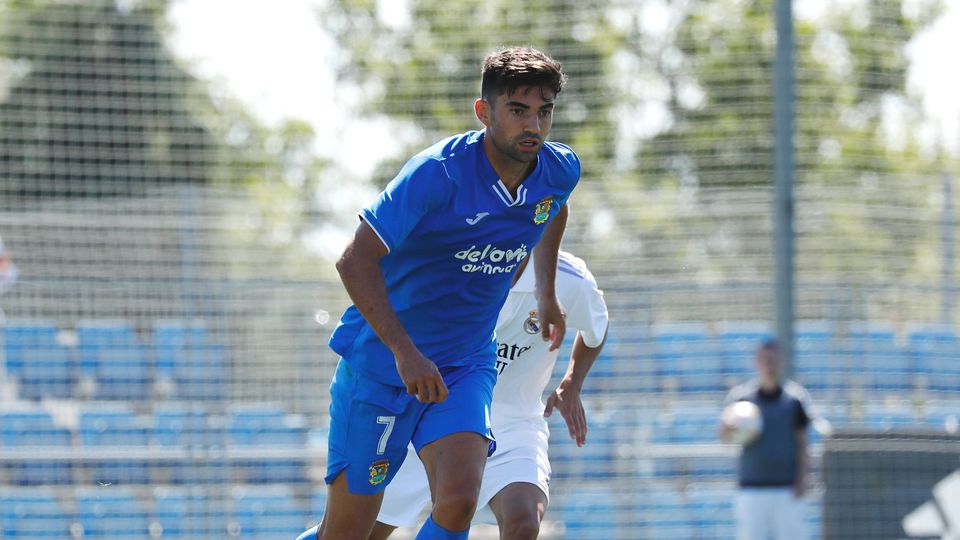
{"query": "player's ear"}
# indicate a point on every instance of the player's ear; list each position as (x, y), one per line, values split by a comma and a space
(482, 108)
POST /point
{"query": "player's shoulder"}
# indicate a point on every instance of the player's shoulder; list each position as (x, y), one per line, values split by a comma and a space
(796, 391)
(453, 155)
(454, 146)
(746, 390)
(572, 265)
(445, 157)
(561, 157)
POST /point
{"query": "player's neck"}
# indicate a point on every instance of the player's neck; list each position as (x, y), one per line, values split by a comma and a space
(511, 172)
(769, 385)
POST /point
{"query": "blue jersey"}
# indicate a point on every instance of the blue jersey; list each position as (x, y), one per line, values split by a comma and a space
(455, 236)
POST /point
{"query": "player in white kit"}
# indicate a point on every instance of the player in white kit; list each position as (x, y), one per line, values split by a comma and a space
(515, 485)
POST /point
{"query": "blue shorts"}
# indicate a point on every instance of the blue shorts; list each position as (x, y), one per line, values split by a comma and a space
(372, 423)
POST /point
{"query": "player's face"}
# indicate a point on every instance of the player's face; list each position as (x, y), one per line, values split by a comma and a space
(518, 123)
(768, 363)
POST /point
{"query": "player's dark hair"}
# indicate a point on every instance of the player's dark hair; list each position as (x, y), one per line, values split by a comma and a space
(770, 344)
(507, 69)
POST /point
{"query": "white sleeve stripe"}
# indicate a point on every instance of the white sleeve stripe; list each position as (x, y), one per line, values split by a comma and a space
(375, 231)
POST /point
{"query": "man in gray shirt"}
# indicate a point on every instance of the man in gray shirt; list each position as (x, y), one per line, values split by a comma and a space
(773, 467)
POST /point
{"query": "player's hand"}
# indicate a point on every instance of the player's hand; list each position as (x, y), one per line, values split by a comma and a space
(422, 378)
(553, 322)
(566, 399)
(799, 487)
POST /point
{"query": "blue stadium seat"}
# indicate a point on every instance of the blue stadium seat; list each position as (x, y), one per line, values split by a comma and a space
(265, 425)
(23, 429)
(41, 366)
(588, 511)
(713, 510)
(816, 364)
(687, 357)
(115, 425)
(112, 356)
(32, 513)
(738, 342)
(684, 425)
(877, 360)
(187, 513)
(633, 364)
(935, 349)
(258, 425)
(942, 415)
(111, 512)
(182, 424)
(889, 416)
(694, 424)
(185, 425)
(665, 514)
(187, 357)
(267, 513)
(596, 459)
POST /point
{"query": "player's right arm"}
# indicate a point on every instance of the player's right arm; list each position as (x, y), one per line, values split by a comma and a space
(420, 187)
(359, 269)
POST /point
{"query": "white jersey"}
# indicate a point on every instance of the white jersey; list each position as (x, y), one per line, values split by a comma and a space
(524, 361)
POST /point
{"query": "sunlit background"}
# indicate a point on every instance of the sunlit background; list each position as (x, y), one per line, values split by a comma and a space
(177, 178)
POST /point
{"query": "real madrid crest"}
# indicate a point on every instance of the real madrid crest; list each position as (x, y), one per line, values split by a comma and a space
(378, 472)
(542, 212)
(532, 324)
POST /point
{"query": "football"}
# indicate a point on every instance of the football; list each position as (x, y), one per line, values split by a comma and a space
(742, 423)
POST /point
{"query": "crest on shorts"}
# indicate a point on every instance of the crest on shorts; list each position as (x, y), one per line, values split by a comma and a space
(378, 472)
(532, 324)
(542, 212)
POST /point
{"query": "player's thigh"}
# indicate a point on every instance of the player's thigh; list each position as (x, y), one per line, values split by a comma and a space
(348, 516)
(371, 425)
(753, 514)
(790, 516)
(454, 464)
(453, 438)
(519, 502)
(407, 496)
(381, 531)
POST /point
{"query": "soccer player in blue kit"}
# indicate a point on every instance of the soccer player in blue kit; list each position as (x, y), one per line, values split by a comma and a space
(428, 270)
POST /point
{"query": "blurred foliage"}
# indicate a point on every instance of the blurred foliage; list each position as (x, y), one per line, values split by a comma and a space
(670, 101)
(426, 70)
(99, 108)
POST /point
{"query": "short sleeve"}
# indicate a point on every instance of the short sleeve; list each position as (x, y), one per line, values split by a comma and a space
(421, 186)
(589, 314)
(570, 165)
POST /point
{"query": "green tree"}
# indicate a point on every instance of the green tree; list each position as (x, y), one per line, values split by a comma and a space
(102, 108)
(426, 71)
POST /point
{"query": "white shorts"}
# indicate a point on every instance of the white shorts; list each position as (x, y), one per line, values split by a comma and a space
(521, 456)
(770, 513)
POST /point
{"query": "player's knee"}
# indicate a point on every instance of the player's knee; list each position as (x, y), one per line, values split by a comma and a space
(455, 508)
(521, 527)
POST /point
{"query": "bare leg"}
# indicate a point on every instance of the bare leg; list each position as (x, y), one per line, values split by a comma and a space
(381, 531)
(454, 467)
(348, 516)
(519, 509)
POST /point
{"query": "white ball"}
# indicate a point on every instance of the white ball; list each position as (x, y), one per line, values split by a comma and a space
(744, 422)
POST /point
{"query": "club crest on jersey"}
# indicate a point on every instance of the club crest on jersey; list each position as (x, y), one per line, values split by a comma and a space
(378, 472)
(542, 212)
(532, 324)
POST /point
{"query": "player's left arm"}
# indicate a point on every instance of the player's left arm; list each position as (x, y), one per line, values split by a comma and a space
(588, 313)
(803, 454)
(803, 464)
(566, 398)
(552, 319)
